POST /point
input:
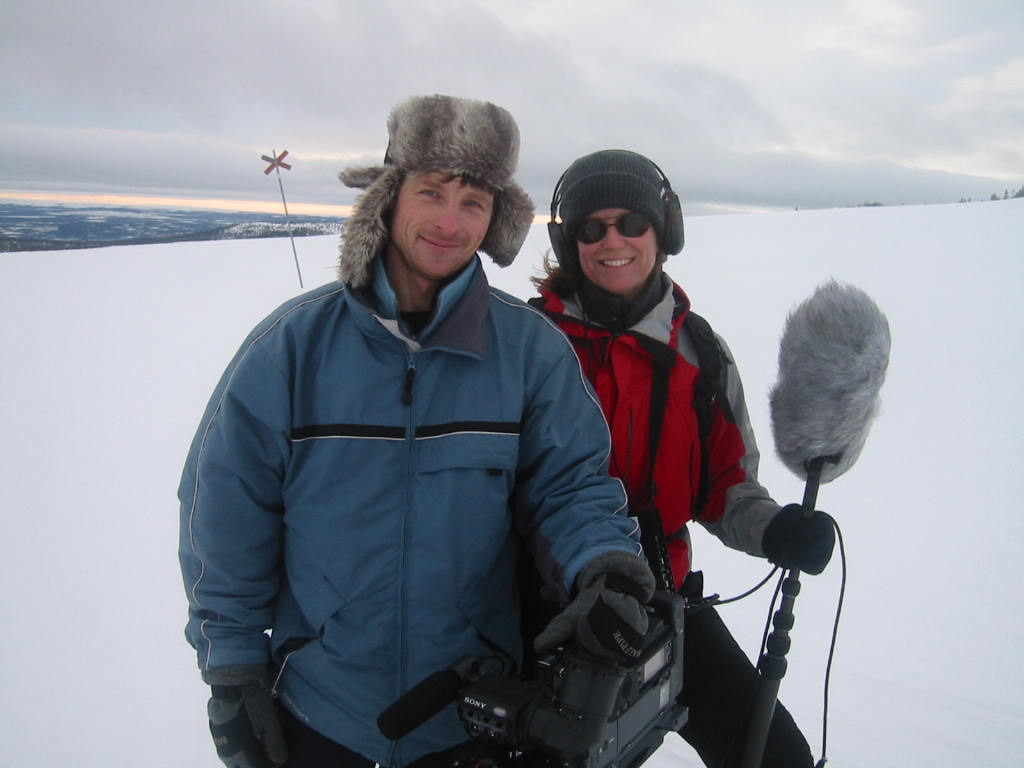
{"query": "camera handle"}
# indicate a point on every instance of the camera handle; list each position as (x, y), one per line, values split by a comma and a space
(772, 664)
(431, 695)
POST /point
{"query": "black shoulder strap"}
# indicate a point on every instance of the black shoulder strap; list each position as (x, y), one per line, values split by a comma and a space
(709, 387)
(652, 530)
(660, 376)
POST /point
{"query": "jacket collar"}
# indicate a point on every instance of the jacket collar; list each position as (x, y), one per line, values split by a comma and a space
(614, 312)
(458, 319)
(659, 324)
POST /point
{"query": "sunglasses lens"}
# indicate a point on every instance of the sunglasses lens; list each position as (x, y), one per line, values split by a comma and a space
(632, 225)
(591, 231)
(628, 225)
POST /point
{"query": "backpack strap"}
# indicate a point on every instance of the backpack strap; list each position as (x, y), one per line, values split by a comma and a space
(709, 388)
(652, 530)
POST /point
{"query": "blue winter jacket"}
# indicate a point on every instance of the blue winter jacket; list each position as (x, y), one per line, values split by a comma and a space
(362, 496)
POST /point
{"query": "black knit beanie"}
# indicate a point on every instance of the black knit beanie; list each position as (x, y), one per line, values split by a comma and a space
(611, 178)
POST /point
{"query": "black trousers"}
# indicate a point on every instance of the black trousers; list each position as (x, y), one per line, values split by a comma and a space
(311, 749)
(719, 685)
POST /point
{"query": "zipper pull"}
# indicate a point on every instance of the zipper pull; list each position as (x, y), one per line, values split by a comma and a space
(410, 376)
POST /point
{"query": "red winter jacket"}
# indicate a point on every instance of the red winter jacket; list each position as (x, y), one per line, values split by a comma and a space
(737, 507)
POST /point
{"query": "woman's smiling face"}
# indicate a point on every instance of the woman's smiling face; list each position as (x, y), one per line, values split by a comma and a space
(618, 264)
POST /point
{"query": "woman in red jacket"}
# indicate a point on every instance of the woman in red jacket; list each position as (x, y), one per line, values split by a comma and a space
(627, 320)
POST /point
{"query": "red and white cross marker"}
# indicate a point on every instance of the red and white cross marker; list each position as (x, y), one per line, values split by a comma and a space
(277, 161)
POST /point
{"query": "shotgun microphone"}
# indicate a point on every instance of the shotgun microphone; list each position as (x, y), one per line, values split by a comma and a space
(428, 697)
(833, 358)
(420, 704)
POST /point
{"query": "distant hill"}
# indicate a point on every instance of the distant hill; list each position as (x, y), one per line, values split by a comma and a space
(26, 227)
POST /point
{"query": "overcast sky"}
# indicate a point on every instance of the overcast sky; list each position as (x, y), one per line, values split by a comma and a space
(744, 104)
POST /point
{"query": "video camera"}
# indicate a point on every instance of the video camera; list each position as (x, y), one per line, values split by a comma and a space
(570, 709)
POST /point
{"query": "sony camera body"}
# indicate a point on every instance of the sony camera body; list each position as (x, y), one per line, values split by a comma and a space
(576, 710)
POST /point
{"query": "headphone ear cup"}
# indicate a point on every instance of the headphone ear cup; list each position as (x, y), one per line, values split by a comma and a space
(560, 245)
(673, 223)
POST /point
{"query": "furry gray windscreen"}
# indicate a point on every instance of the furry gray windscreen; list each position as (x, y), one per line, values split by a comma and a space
(833, 359)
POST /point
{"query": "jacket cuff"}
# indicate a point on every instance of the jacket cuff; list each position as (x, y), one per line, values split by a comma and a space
(240, 674)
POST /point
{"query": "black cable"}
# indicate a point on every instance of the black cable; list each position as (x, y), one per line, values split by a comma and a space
(740, 728)
(832, 647)
(771, 612)
(749, 592)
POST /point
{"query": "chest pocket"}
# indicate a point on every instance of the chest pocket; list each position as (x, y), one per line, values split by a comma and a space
(480, 458)
(469, 446)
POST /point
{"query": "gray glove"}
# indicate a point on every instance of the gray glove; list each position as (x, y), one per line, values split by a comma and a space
(607, 617)
(243, 718)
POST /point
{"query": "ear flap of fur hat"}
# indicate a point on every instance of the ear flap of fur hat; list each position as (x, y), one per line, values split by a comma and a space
(465, 138)
(366, 231)
(513, 215)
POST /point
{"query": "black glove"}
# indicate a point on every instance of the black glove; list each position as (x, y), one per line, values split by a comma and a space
(243, 718)
(607, 617)
(792, 540)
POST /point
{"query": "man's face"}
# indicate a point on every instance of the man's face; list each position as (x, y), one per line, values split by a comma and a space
(619, 264)
(437, 225)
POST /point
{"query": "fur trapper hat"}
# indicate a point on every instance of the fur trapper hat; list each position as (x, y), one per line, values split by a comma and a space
(463, 137)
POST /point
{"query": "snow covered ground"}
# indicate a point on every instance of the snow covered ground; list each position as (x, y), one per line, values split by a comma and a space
(109, 356)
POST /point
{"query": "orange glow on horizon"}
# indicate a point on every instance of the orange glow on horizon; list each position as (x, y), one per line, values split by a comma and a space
(156, 201)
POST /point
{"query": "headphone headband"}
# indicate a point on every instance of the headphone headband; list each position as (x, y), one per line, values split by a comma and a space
(670, 240)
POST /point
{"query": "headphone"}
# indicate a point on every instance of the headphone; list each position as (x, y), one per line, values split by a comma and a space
(566, 251)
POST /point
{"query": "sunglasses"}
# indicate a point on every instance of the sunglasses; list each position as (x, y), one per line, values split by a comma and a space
(628, 225)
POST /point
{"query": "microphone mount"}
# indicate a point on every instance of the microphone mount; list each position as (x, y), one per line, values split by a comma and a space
(772, 664)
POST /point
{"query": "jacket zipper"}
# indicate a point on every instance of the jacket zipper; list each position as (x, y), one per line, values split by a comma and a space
(410, 379)
(410, 471)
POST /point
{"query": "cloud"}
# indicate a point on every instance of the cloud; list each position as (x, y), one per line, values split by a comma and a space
(801, 104)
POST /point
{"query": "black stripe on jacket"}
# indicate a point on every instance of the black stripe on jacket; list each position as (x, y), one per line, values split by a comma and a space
(319, 431)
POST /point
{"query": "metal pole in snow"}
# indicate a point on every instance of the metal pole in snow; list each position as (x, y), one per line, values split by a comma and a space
(276, 164)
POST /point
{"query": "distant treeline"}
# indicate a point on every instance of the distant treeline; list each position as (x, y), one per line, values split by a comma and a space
(1007, 195)
(233, 232)
(25, 227)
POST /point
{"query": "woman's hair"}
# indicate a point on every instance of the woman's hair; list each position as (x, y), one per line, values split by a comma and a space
(560, 280)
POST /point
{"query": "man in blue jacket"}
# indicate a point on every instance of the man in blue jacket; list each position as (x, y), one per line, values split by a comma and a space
(375, 457)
